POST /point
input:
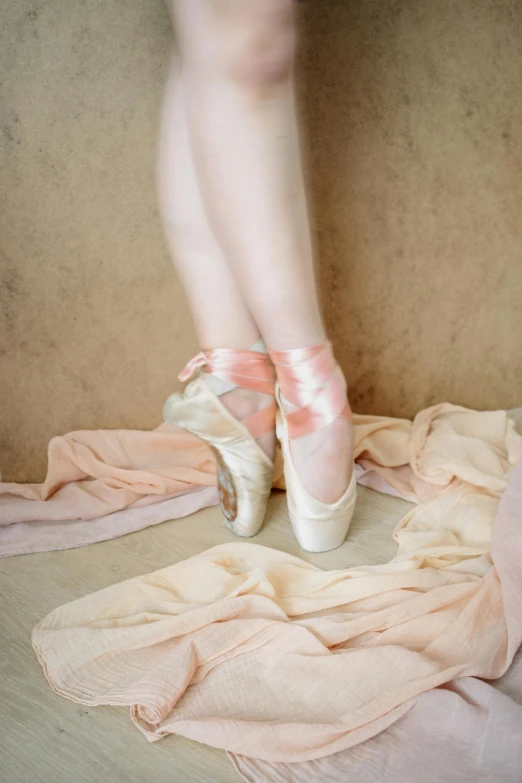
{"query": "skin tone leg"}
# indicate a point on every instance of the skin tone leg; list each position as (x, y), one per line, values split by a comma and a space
(238, 98)
(221, 317)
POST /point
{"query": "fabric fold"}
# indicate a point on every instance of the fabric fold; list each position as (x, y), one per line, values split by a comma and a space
(93, 475)
(252, 650)
(467, 730)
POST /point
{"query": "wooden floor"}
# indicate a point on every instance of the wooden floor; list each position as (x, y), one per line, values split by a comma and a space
(47, 739)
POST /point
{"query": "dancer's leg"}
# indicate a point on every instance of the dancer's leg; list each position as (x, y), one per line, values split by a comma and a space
(238, 59)
(239, 98)
(220, 315)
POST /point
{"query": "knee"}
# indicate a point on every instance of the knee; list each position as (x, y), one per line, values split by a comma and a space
(262, 46)
(255, 40)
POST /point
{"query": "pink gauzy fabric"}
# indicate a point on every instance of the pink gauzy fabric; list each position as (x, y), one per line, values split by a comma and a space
(468, 730)
(106, 483)
(269, 657)
(102, 484)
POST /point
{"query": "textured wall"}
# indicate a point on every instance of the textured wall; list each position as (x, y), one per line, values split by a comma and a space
(415, 117)
(414, 136)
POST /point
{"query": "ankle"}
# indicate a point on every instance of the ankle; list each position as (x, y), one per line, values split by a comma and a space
(312, 387)
(244, 402)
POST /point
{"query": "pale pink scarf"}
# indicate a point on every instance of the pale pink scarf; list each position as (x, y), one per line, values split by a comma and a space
(289, 663)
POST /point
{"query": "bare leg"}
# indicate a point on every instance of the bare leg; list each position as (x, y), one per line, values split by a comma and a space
(238, 59)
(221, 317)
(239, 98)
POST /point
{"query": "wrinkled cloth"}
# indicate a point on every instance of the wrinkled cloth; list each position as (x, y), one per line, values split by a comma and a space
(468, 730)
(252, 650)
(99, 483)
(43, 536)
(465, 730)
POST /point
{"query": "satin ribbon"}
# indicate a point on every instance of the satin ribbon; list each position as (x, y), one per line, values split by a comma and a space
(311, 380)
(249, 369)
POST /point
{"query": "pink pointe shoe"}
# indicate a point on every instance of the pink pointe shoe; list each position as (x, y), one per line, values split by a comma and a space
(244, 471)
(311, 394)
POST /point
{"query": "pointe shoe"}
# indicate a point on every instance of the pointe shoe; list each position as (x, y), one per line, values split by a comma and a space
(244, 471)
(311, 380)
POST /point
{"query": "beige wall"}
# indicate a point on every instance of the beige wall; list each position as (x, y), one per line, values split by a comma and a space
(414, 114)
